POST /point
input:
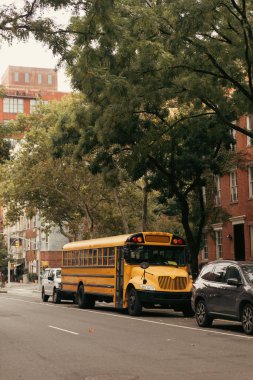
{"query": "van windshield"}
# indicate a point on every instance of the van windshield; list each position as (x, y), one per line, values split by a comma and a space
(155, 255)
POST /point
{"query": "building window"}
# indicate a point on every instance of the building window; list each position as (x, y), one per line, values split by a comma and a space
(49, 79)
(251, 240)
(250, 170)
(39, 78)
(13, 105)
(33, 243)
(217, 191)
(16, 76)
(218, 244)
(249, 126)
(233, 187)
(27, 77)
(33, 104)
(205, 248)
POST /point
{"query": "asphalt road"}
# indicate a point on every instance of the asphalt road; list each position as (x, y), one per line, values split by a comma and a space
(47, 341)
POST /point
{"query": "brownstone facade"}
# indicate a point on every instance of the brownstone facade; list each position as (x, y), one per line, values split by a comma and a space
(233, 239)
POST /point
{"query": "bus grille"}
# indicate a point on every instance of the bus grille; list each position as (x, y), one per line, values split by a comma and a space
(178, 283)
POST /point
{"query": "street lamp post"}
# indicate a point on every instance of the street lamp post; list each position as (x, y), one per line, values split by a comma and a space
(39, 254)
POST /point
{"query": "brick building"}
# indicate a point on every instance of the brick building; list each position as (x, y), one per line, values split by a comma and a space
(24, 88)
(233, 238)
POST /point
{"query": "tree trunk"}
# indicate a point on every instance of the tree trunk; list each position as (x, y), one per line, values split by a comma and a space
(145, 207)
(124, 222)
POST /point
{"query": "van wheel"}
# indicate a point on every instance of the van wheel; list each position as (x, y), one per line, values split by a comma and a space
(56, 297)
(44, 296)
(134, 303)
(247, 319)
(85, 301)
(202, 317)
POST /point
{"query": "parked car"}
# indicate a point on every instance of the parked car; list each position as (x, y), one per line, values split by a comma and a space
(51, 286)
(224, 289)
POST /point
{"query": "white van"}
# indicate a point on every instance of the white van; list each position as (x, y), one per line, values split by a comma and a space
(52, 287)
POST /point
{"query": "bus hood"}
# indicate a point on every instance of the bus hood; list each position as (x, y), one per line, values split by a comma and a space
(160, 271)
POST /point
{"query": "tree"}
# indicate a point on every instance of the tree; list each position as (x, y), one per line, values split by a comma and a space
(3, 256)
(198, 53)
(63, 189)
(38, 18)
(126, 66)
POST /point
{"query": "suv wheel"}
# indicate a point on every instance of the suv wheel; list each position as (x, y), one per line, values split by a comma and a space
(201, 314)
(247, 319)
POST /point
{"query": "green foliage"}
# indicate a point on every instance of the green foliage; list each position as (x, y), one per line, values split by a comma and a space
(159, 107)
(3, 254)
(32, 277)
(83, 205)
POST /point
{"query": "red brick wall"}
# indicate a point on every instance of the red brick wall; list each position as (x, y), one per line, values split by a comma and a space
(242, 208)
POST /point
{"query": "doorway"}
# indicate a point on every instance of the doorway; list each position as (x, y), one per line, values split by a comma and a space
(239, 243)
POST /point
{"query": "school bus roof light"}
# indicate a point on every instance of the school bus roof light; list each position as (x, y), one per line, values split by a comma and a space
(136, 239)
(177, 241)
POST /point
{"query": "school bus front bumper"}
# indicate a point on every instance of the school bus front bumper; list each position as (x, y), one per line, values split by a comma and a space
(165, 299)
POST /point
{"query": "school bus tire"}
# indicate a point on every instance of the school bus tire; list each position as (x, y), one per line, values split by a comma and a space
(134, 304)
(85, 301)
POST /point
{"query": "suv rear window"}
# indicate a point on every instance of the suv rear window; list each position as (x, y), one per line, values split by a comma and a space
(219, 272)
(248, 272)
(206, 272)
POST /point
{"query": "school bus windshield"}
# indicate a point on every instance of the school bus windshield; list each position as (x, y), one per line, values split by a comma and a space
(155, 255)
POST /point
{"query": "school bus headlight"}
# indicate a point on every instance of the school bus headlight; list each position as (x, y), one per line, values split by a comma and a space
(147, 287)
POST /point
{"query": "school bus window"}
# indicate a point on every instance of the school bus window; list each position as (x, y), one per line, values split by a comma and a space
(100, 256)
(81, 257)
(95, 257)
(105, 256)
(89, 257)
(111, 256)
(69, 258)
(156, 255)
(75, 258)
(85, 257)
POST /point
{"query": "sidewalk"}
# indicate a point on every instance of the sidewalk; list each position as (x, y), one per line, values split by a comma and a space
(19, 285)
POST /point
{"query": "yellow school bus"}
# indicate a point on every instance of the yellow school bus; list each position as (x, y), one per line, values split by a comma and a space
(145, 269)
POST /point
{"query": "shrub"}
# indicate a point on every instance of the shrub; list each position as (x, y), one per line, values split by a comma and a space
(32, 277)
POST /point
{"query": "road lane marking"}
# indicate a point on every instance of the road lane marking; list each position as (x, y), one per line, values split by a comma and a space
(136, 319)
(68, 331)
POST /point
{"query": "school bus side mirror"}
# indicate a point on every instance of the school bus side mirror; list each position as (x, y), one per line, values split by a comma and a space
(144, 265)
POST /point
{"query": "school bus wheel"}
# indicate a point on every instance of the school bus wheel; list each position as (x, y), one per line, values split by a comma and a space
(134, 303)
(85, 301)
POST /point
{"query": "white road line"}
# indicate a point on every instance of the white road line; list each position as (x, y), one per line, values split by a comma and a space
(68, 331)
(211, 331)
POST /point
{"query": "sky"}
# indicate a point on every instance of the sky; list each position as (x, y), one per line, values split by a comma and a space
(31, 54)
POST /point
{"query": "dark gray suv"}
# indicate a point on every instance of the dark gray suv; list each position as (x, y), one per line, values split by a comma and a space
(224, 289)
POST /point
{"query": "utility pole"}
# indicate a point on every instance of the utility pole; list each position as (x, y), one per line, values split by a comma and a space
(9, 262)
(39, 250)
